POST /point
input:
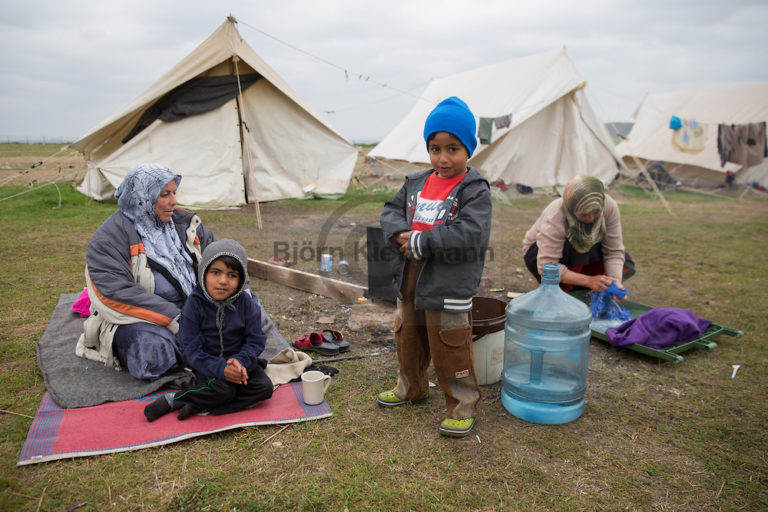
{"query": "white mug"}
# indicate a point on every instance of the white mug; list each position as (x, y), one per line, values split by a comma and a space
(314, 385)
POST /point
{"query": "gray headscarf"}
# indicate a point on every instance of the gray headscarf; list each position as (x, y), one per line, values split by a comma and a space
(136, 196)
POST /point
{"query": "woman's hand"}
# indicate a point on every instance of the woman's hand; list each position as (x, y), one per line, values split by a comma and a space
(620, 286)
(599, 283)
(235, 372)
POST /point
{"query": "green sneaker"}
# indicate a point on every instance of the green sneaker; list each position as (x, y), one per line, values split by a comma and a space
(456, 428)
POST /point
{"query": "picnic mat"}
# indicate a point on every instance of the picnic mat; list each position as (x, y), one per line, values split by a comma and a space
(58, 433)
(73, 381)
(91, 409)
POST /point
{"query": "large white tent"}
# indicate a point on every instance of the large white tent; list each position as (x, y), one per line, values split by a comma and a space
(651, 138)
(553, 135)
(253, 138)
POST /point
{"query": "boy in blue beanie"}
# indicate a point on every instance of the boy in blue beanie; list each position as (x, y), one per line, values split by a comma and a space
(440, 221)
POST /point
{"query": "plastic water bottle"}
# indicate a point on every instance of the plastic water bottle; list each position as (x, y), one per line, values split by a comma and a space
(546, 354)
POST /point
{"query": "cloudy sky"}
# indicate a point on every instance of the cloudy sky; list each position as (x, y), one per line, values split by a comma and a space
(66, 66)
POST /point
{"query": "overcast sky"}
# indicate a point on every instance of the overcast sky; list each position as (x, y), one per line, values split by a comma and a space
(66, 66)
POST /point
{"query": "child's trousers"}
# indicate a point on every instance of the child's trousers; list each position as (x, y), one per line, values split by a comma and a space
(222, 397)
(446, 339)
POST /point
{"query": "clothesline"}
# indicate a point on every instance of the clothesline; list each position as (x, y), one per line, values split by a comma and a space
(368, 78)
(669, 115)
(346, 71)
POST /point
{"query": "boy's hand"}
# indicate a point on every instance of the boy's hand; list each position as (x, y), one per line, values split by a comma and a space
(235, 372)
(402, 237)
(402, 240)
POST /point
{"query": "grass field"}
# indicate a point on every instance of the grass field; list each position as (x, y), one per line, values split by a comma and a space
(654, 436)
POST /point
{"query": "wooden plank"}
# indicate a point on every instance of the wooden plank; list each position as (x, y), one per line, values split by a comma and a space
(305, 281)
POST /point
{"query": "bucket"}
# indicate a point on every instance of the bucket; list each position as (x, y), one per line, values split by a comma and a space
(488, 319)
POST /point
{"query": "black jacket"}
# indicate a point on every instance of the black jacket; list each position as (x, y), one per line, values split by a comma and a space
(453, 252)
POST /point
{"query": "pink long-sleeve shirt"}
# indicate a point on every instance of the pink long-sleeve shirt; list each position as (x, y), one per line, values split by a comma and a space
(549, 234)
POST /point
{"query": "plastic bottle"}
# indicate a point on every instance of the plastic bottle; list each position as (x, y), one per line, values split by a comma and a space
(546, 354)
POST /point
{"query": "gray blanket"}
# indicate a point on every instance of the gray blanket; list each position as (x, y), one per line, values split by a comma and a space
(78, 382)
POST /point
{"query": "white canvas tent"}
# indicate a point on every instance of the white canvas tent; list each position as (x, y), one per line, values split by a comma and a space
(263, 144)
(553, 136)
(651, 137)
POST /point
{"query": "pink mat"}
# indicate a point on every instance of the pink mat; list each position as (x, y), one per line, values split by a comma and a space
(58, 433)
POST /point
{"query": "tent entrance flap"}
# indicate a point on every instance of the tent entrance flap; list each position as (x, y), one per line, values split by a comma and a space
(196, 96)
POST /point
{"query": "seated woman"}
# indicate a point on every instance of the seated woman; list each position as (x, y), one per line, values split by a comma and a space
(141, 264)
(582, 233)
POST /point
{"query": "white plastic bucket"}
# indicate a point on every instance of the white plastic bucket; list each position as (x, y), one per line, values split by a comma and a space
(488, 319)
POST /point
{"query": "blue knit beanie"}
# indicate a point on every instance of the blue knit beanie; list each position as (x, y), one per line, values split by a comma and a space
(453, 116)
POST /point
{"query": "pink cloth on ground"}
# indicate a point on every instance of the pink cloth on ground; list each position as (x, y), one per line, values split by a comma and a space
(82, 305)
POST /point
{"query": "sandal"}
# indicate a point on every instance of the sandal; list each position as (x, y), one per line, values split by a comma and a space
(313, 342)
(335, 338)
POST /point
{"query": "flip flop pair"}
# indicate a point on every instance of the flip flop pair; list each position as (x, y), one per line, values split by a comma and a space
(327, 342)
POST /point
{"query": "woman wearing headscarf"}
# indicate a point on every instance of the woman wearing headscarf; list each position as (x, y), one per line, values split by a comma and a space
(580, 232)
(141, 265)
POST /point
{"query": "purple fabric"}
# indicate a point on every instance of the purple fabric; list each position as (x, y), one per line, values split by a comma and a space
(82, 306)
(658, 328)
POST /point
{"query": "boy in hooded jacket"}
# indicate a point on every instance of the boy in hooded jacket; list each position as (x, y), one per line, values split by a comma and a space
(221, 339)
(440, 221)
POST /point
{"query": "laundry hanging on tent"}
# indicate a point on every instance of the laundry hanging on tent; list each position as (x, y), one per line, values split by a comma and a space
(484, 130)
(691, 136)
(743, 144)
(502, 121)
(487, 124)
(193, 97)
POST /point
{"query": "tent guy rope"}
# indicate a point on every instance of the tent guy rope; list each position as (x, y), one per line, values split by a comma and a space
(347, 73)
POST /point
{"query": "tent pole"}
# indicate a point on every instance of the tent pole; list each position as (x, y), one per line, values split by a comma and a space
(246, 138)
(644, 171)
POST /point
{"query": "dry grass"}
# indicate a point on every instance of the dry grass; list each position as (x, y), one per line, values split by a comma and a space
(654, 436)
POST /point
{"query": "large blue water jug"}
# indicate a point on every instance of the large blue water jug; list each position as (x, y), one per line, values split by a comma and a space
(546, 354)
